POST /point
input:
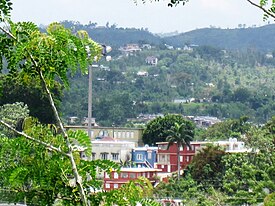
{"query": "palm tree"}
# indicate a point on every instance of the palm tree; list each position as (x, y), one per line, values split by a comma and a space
(181, 134)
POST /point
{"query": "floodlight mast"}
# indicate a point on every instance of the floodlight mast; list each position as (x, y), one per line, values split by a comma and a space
(105, 50)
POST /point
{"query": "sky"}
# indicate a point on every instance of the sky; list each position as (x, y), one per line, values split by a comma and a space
(156, 16)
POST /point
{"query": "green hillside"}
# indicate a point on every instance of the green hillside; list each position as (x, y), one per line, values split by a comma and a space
(222, 84)
(259, 38)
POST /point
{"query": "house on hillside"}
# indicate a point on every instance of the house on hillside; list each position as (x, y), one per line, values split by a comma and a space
(118, 133)
(151, 60)
(144, 156)
(130, 49)
(142, 73)
(107, 148)
(167, 157)
(115, 180)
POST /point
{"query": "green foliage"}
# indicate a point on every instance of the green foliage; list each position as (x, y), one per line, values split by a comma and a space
(40, 175)
(27, 89)
(207, 167)
(53, 53)
(13, 114)
(269, 199)
(137, 192)
(119, 94)
(247, 177)
(231, 128)
(5, 9)
(158, 129)
(181, 135)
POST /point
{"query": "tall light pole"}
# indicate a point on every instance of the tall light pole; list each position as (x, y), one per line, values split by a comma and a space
(105, 50)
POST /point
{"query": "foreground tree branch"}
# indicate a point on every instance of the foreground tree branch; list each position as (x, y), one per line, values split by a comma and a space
(262, 8)
(33, 139)
(77, 177)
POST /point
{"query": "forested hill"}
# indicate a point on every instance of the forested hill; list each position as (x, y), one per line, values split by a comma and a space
(258, 38)
(114, 36)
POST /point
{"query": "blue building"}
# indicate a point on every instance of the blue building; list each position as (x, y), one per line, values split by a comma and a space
(145, 157)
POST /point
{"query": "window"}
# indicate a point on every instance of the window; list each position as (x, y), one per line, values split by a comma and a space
(124, 175)
(93, 156)
(115, 156)
(163, 147)
(187, 159)
(132, 135)
(107, 175)
(181, 148)
(139, 156)
(181, 158)
(115, 175)
(149, 155)
(104, 156)
(132, 175)
(115, 186)
(107, 185)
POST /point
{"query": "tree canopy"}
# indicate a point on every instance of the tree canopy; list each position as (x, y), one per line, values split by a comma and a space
(157, 130)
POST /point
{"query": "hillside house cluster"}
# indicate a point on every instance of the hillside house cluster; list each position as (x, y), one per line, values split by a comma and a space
(156, 163)
(124, 146)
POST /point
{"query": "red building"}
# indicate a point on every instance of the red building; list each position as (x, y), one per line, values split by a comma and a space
(115, 180)
(167, 158)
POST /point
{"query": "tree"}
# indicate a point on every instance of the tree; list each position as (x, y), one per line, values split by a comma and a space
(47, 56)
(38, 172)
(227, 129)
(207, 167)
(26, 89)
(267, 6)
(157, 129)
(180, 134)
(13, 114)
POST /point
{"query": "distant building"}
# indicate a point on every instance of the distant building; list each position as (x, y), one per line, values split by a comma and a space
(142, 73)
(151, 60)
(205, 121)
(118, 133)
(187, 48)
(144, 156)
(130, 49)
(116, 180)
(108, 148)
(146, 46)
(269, 56)
(232, 146)
(73, 120)
(167, 157)
(86, 120)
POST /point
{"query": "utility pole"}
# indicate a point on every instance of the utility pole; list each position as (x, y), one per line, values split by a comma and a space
(105, 50)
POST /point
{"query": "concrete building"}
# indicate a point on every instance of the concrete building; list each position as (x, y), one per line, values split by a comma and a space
(116, 180)
(144, 156)
(118, 133)
(108, 148)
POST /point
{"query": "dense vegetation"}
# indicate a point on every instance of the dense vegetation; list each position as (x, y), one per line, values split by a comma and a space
(240, 38)
(225, 84)
(215, 177)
